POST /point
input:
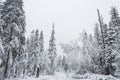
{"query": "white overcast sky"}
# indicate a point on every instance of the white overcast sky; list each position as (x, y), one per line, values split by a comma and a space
(70, 16)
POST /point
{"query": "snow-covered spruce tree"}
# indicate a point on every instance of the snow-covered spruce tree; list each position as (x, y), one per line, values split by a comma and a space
(41, 42)
(79, 54)
(29, 55)
(93, 52)
(115, 25)
(33, 52)
(85, 52)
(52, 52)
(113, 39)
(36, 51)
(101, 45)
(41, 53)
(88, 52)
(13, 36)
(114, 28)
(29, 52)
(107, 40)
(106, 55)
(98, 44)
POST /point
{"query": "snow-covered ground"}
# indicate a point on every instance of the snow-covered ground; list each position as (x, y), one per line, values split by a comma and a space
(66, 76)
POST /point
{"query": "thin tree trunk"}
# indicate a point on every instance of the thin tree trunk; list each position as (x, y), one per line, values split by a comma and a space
(6, 66)
(103, 44)
(101, 25)
(38, 71)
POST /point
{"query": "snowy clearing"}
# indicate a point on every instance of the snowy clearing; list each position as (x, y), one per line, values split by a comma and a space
(65, 76)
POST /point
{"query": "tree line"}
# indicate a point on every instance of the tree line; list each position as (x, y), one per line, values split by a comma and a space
(21, 56)
(98, 53)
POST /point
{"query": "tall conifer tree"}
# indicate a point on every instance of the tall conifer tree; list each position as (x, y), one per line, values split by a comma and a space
(52, 50)
(13, 32)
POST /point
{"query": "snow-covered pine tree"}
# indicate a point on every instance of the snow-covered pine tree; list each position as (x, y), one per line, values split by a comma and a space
(13, 34)
(41, 53)
(52, 51)
(41, 41)
(87, 51)
(36, 51)
(113, 39)
(33, 52)
(102, 46)
(105, 59)
(29, 51)
(114, 28)
(93, 48)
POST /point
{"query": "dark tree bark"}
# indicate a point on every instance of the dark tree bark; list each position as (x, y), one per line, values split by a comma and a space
(38, 70)
(6, 66)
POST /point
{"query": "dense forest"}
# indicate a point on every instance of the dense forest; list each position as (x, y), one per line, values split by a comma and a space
(22, 56)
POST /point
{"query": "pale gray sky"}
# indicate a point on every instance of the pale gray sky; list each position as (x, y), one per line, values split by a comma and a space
(70, 16)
